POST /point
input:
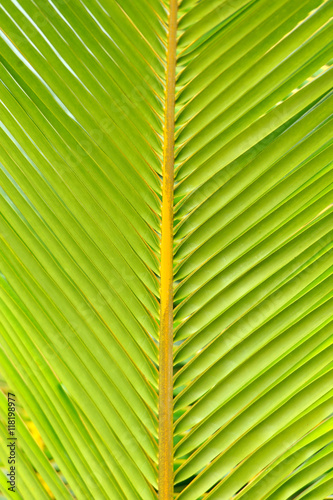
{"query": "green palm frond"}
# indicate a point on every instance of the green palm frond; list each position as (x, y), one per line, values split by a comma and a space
(166, 181)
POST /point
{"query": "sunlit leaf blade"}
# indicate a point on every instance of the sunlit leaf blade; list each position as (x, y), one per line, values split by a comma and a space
(253, 251)
(81, 149)
(102, 104)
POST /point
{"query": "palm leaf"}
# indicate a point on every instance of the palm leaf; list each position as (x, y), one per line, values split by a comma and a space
(166, 248)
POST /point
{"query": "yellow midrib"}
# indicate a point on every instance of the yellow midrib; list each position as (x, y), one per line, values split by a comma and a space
(166, 273)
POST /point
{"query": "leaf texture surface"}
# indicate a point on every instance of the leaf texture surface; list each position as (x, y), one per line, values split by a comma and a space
(166, 260)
